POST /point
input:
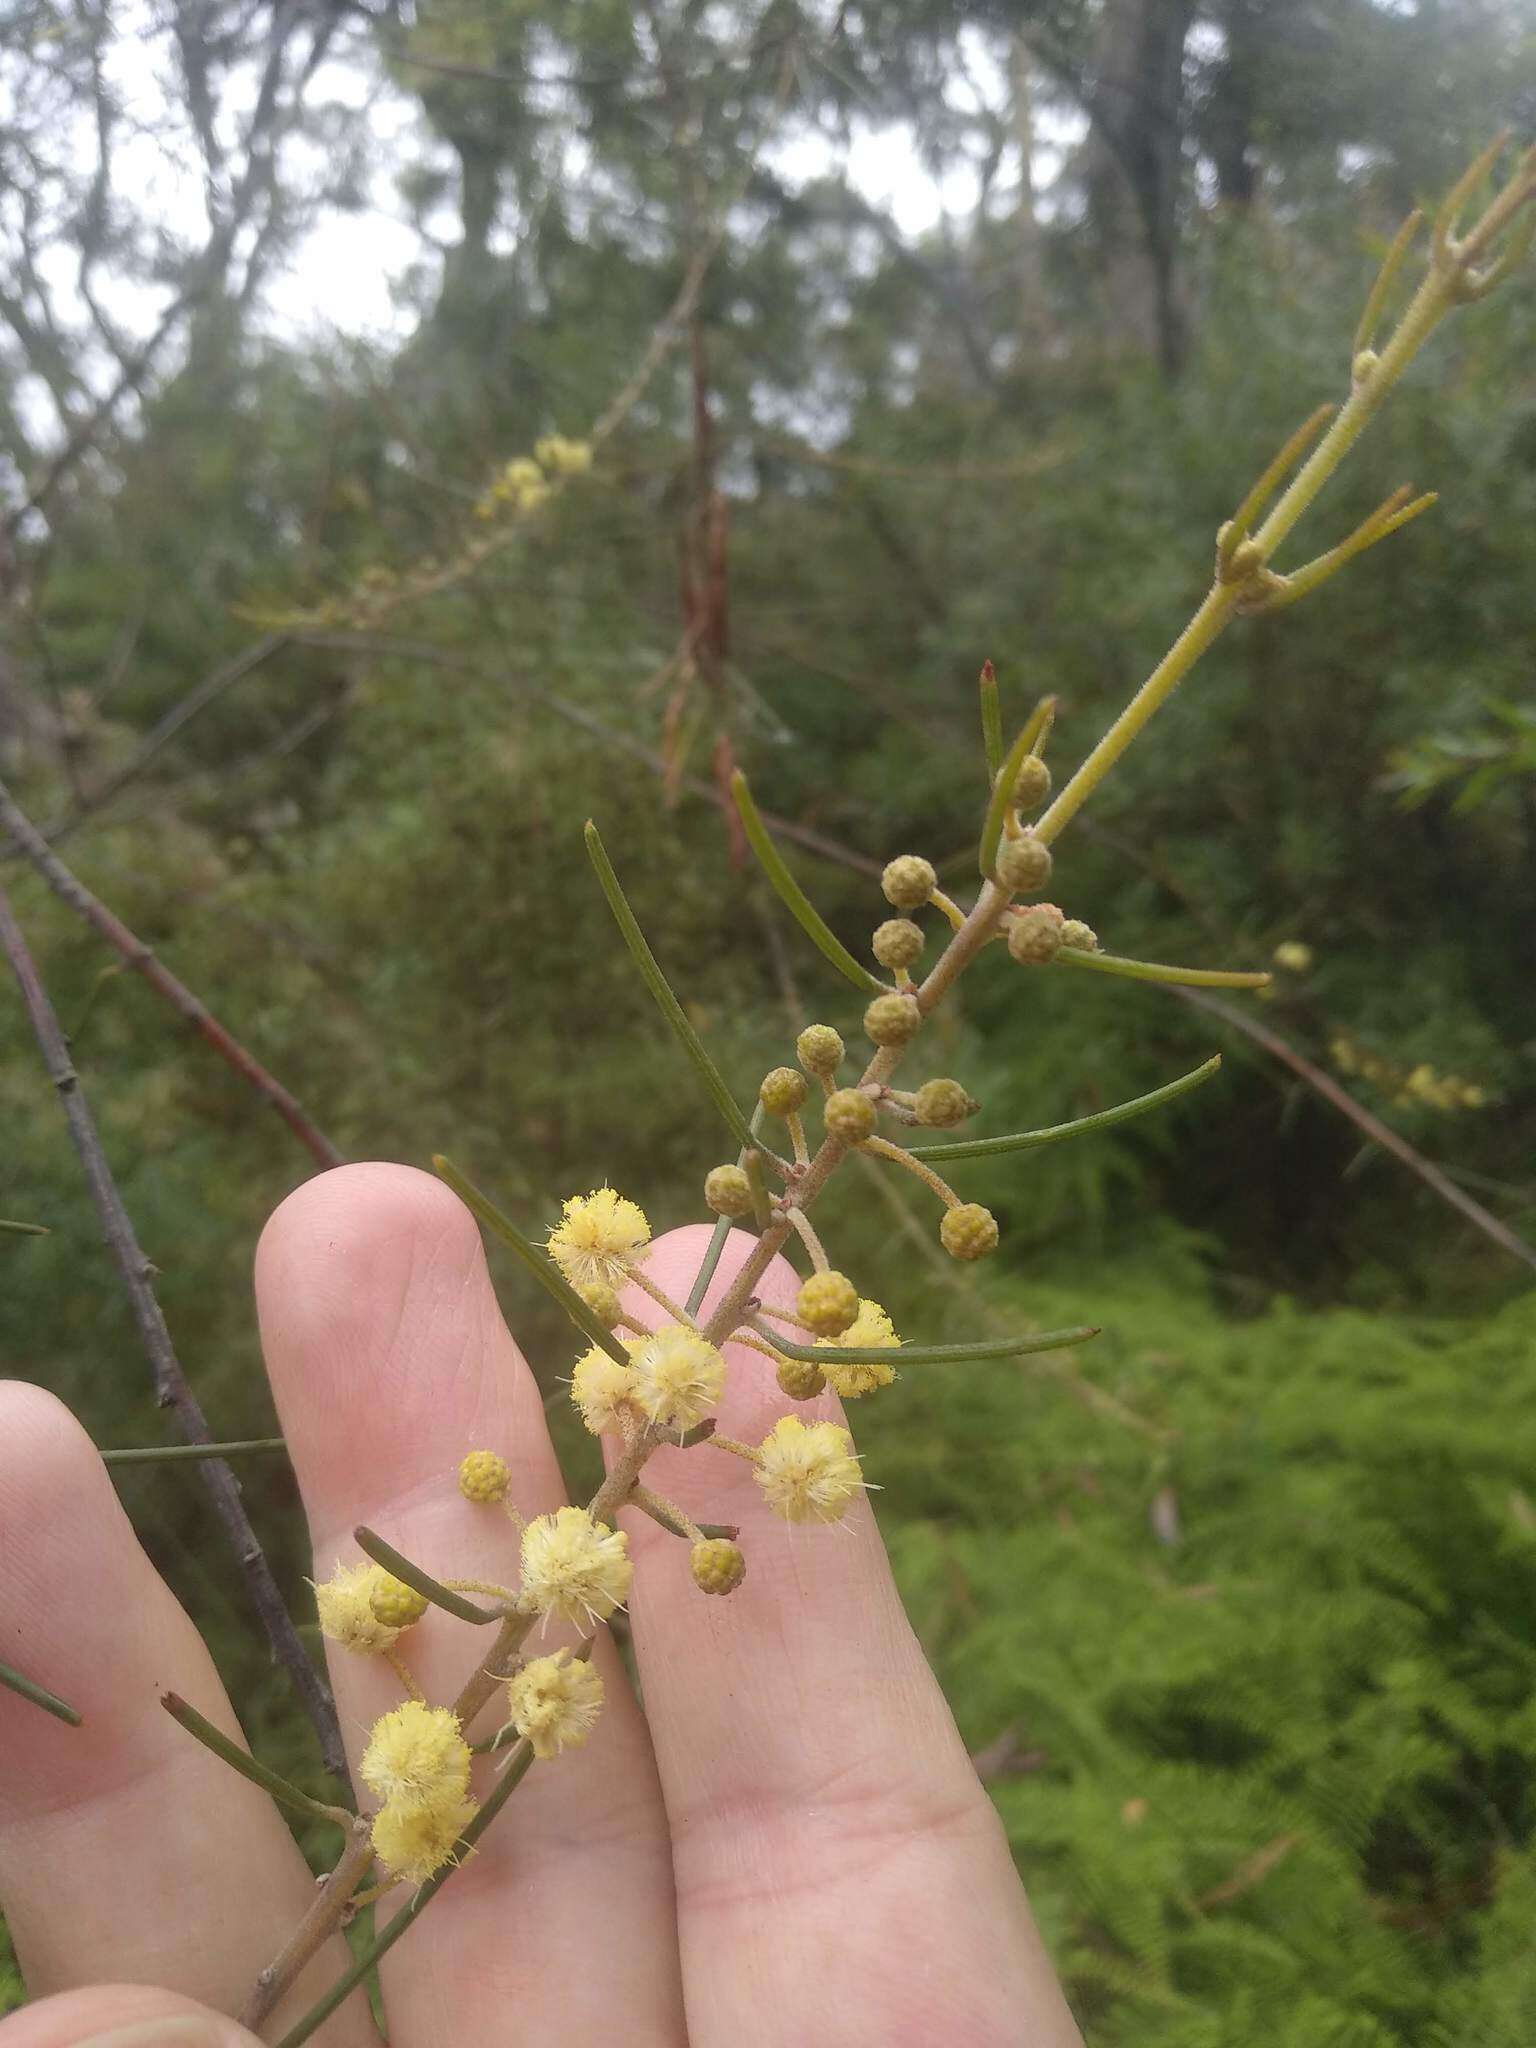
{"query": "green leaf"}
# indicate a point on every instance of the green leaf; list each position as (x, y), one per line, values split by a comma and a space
(168, 1454)
(240, 1760)
(1036, 726)
(25, 1229)
(539, 1264)
(1052, 1134)
(656, 982)
(1152, 970)
(929, 1354)
(794, 897)
(39, 1695)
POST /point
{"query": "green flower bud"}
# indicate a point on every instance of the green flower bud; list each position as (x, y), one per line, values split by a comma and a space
(892, 1020)
(819, 1049)
(728, 1191)
(969, 1231)
(850, 1114)
(1032, 785)
(1024, 865)
(909, 881)
(1035, 935)
(396, 1604)
(898, 942)
(1081, 937)
(828, 1303)
(484, 1477)
(717, 1565)
(800, 1379)
(943, 1104)
(783, 1091)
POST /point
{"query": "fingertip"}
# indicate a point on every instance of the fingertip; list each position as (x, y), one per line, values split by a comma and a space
(122, 2016)
(358, 1218)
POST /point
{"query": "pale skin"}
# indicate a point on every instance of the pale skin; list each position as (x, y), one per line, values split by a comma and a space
(789, 1845)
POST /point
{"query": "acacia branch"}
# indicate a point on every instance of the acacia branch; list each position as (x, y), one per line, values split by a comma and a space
(141, 959)
(171, 1387)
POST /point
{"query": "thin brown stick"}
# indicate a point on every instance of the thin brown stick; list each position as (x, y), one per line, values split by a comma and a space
(1378, 1132)
(171, 1388)
(326, 1912)
(141, 958)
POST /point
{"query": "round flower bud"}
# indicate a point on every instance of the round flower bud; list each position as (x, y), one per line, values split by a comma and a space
(1034, 937)
(717, 1565)
(603, 1300)
(892, 1020)
(783, 1091)
(1364, 365)
(1024, 865)
(728, 1191)
(396, 1604)
(943, 1104)
(344, 1608)
(1294, 955)
(484, 1477)
(828, 1303)
(819, 1049)
(849, 1114)
(800, 1379)
(1033, 783)
(909, 881)
(969, 1231)
(1082, 938)
(898, 942)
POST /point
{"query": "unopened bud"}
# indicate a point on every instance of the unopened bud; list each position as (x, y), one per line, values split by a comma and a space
(909, 881)
(898, 942)
(728, 1191)
(1024, 864)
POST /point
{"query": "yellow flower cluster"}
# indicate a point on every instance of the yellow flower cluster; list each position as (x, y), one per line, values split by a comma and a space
(526, 484)
(345, 1604)
(575, 1568)
(599, 1237)
(807, 1470)
(1419, 1086)
(555, 1702)
(417, 1761)
(870, 1330)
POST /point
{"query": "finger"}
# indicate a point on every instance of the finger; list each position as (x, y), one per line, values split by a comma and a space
(121, 2016)
(841, 1874)
(390, 1361)
(127, 1851)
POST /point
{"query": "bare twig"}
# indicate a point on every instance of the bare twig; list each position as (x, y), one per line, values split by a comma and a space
(171, 1388)
(1378, 1132)
(324, 1917)
(142, 959)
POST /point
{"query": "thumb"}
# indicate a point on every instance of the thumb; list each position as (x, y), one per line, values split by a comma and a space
(122, 2016)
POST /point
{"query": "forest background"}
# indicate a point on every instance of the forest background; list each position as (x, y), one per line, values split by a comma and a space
(1236, 1606)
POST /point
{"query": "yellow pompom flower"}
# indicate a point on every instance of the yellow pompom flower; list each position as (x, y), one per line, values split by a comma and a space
(562, 457)
(344, 1603)
(870, 1330)
(599, 1237)
(603, 1389)
(678, 1375)
(574, 1567)
(555, 1702)
(416, 1758)
(808, 1471)
(412, 1843)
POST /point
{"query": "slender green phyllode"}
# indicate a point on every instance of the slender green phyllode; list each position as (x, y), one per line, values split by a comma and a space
(794, 897)
(371, 1544)
(1053, 1134)
(29, 1689)
(656, 982)
(543, 1269)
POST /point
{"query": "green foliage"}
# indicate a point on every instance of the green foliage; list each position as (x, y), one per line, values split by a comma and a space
(1272, 1687)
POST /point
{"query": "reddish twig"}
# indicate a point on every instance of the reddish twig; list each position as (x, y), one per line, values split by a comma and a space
(171, 1388)
(1378, 1132)
(142, 959)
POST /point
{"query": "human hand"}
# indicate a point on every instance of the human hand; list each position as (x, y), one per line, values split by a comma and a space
(789, 1847)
